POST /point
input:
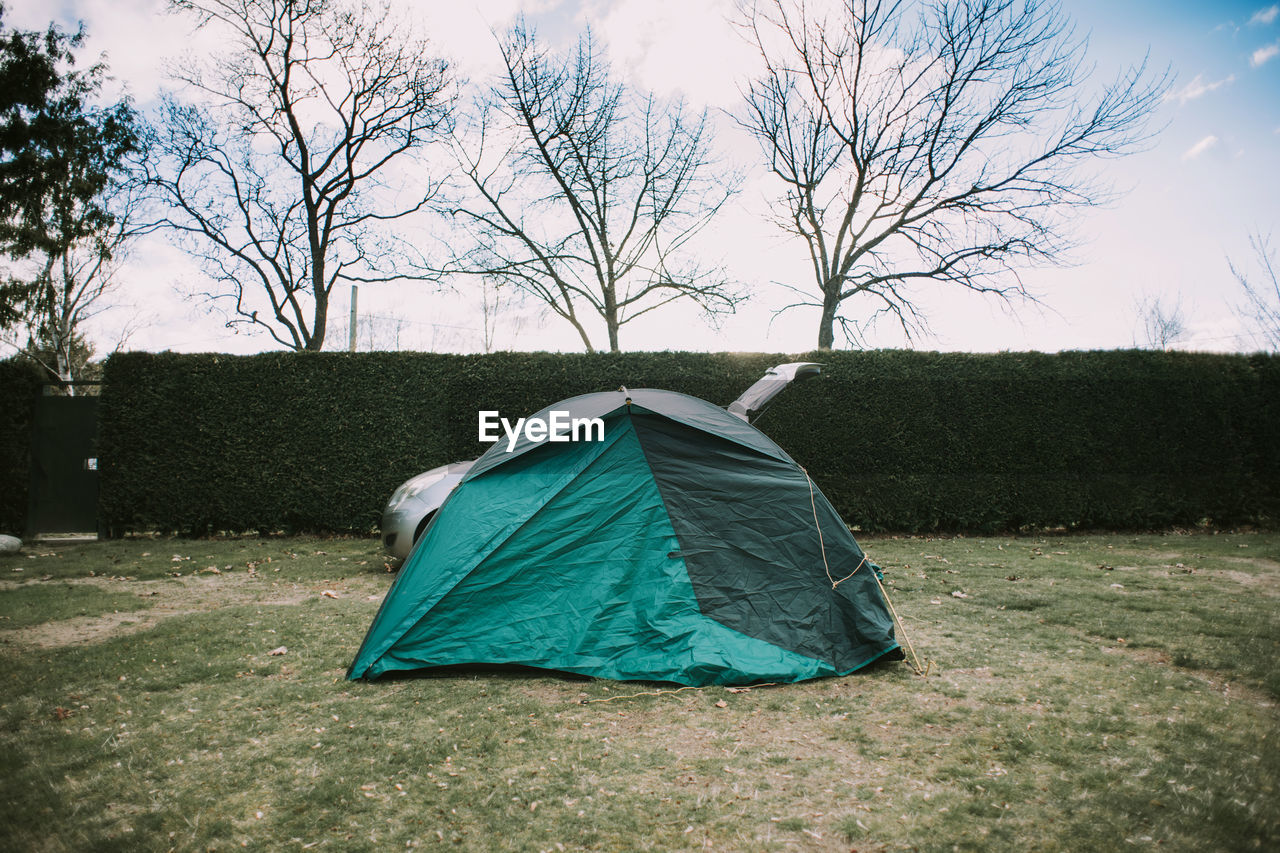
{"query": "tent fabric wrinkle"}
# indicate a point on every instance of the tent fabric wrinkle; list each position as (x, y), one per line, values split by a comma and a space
(681, 548)
(492, 500)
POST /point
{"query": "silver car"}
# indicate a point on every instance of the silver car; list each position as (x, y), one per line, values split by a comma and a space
(414, 503)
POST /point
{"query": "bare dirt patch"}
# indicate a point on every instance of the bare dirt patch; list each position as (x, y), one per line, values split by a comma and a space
(1266, 580)
(169, 598)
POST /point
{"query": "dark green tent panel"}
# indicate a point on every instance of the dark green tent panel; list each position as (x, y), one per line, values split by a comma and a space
(682, 548)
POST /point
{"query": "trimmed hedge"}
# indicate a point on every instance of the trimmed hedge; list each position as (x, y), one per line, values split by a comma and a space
(901, 441)
(19, 384)
(317, 441)
(1115, 440)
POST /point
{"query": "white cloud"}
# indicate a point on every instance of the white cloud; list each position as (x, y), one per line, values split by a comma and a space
(133, 34)
(1264, 54)
(1198, 88)
(464, 32)
(1200, 147)
(686, 47)
(1265, 16)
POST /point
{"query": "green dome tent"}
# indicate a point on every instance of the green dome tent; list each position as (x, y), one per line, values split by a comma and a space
(682, 547)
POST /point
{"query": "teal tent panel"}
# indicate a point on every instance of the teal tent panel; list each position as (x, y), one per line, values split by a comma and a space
(587, 584)
(479, 516)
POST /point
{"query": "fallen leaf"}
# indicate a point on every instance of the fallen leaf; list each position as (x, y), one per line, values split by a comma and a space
(722, 704)
(328, 593)
(958, 594)
(278, 650)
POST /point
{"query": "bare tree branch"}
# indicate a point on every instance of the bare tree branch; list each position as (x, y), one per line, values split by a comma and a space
(935, 142)
(1262, 294)
(70, 287)
(585, 194)
(1162, 323)
(280, 169)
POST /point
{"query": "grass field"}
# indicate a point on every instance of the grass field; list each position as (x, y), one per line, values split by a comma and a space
(1087, 693)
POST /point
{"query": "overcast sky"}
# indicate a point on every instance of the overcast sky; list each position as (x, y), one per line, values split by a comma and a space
(1190, 201)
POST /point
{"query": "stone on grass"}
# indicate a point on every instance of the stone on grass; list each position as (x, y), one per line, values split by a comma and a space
(10, 544)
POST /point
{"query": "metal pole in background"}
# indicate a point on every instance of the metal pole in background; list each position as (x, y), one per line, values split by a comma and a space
(354, 292)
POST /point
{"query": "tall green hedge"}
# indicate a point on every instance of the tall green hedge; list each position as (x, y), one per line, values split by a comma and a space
(1119, 440)
(19, 385)
(198, 443)
(898, 440)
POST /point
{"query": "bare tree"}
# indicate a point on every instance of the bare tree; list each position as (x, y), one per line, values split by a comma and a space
(933, 143)
(69, 290)
(491, 303)
(289, 160)
(585, 193)
(502, 306)
(1163, 325)
(1262, 294)
(374, 333)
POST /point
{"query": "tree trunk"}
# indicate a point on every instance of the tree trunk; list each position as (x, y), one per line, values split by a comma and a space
(582, 333)
(826, 326)
(315, 343)
(611, 314)
(64, 369)
(613, 332)
(63, 341)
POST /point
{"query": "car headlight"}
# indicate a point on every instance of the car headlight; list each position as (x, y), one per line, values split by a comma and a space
(411, 488)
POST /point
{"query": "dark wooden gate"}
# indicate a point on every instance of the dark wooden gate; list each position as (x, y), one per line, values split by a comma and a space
(64, 466)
